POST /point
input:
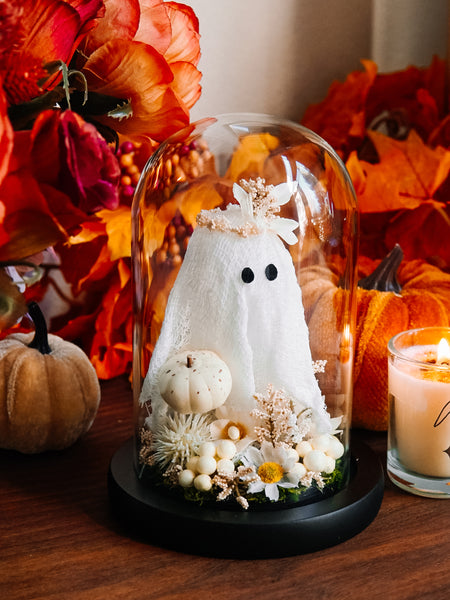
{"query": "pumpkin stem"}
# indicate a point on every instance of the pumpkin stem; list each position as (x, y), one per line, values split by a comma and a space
(40, 340)
(189, 361)
(384, 278)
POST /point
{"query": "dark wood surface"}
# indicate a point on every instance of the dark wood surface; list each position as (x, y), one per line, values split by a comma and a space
(58, 539)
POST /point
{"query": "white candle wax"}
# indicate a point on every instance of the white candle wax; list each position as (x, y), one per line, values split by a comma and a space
(421, 412)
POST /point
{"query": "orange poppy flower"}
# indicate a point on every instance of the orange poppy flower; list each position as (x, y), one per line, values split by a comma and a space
(151, 65)
(138, 73)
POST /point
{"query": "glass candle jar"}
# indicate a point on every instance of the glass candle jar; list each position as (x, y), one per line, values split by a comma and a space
(244, 253)
(419, 411)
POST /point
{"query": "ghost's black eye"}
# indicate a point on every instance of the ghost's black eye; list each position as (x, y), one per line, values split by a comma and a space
(247, 275)
(271, 272)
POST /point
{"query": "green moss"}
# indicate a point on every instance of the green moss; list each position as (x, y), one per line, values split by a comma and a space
(333, 483)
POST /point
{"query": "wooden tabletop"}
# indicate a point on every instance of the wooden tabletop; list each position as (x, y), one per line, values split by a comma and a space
(59, 540)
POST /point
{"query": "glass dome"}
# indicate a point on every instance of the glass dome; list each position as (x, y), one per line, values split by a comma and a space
(244, 253)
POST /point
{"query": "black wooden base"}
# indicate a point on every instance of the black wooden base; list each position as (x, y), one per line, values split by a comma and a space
(187, 527)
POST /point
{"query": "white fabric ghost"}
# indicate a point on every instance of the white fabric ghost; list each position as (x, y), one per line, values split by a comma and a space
(237, 295)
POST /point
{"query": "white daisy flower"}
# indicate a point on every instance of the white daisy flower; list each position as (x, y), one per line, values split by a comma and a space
(272, 466)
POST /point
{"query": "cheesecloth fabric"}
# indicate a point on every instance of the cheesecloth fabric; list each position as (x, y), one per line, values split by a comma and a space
(238, 296)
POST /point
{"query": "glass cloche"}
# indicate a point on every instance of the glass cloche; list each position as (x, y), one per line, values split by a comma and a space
(244, 253)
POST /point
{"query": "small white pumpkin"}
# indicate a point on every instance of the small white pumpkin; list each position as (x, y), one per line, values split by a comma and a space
(194, 381)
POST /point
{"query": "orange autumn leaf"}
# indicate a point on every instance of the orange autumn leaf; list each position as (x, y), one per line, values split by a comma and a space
(408, 173)
(118, 229)
(111, 350)
(90, 231)
(249, 157)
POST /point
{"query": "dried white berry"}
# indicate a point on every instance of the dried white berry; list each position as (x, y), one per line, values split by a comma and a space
(315, 460)
(192, 463)
(296, 473)
(203, 483)
(225, 465)
(226, 449)
(234, 433)
(206, 465)
(321, 442)
(335, 449)
(330, 464)
(292, 453)
(186, 478)
(303, 448)
(207, 449)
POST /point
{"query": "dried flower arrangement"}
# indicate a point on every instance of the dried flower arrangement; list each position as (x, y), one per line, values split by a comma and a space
(218, 427)
(273, 455)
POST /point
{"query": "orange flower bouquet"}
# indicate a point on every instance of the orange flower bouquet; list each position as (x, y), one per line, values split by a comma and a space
(89, 88)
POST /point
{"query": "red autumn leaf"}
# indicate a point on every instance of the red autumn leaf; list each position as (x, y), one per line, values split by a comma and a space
(440, 136)
(340, 118)
(417, 95)
(422, 233)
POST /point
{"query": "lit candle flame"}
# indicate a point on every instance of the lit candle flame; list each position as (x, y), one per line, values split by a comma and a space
(443, 353)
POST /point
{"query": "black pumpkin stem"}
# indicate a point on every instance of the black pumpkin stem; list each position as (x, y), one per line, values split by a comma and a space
(40, 340)
(384, 278)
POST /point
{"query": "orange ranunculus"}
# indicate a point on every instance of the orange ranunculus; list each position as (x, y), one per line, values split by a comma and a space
(151, 65)
(44, 31)
(144, 21)
(184, 45)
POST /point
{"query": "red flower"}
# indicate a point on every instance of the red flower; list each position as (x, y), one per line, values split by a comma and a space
(60, 172)
(76, 160)
(42, 31)
(6, 136)
(27, 224)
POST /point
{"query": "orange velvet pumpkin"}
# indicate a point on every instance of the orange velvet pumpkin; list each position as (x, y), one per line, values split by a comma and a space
(422, 299)
(49, 391)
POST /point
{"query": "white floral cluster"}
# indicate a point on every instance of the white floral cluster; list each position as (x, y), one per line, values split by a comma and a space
(234, 454)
